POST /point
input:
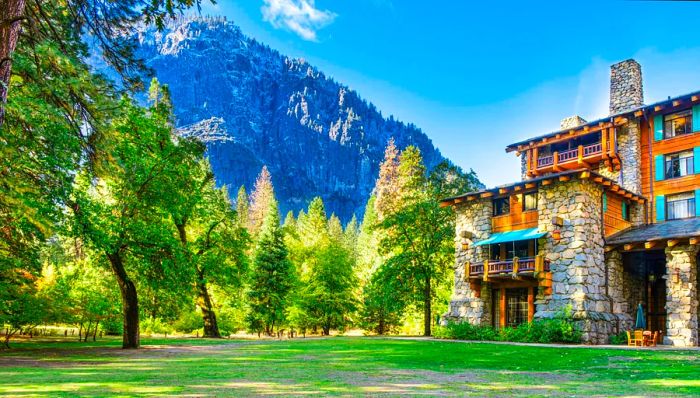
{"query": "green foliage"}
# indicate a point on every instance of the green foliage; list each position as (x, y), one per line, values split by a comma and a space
(560, 329)
(272, 277)
(618, 339)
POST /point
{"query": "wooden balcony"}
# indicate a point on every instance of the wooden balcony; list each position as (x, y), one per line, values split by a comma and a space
(582, 156)
(527, 266)
(514, 221)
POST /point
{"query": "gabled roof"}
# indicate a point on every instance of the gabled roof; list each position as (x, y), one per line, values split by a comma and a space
(525, 185)
(675, 229)
(633, 111)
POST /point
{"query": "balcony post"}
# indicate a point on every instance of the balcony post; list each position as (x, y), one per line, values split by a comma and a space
(555, 161)
(535, 160)
(580, 154)
(604, 142)
(486, 270)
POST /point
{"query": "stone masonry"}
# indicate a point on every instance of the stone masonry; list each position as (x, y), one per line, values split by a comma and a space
(577, 259)
(475, 218)
(626, 90)
(682, 296)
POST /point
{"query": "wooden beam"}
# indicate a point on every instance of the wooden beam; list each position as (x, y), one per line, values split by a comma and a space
(693, 241)
(658, 108)
(486, 194)
(546, 182)
(639, 113)
(598, 179)
(459, 200)
(529, 185)
(672, 242)
(610, 248)
(615, 188)
(445, 204)
(503, 191)
(628, 247)
(585, 174)
(518, 188)
(695, 98)
(677, 103)
(649, 244)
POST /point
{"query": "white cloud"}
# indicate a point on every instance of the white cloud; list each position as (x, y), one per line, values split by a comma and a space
(300, 16)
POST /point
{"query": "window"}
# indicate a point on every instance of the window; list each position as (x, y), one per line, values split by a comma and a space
(508, 250)
(516, 306)
(625, 211)
(681, 205)
(501, 206)
(679, 164)
(530, 201)
(678, 123)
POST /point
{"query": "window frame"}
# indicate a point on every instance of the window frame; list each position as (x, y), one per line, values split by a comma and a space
(506, 201)
(688, 115)
(533, 193)
(676, 156)
(690, 209)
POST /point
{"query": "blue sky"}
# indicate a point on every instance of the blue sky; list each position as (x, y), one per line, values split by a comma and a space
(477, 76)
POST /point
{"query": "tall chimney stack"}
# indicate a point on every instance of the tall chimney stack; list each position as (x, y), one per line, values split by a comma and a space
(626, 89)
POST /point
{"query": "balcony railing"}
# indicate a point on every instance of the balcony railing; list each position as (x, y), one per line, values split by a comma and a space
(571, 155)
(495, 268)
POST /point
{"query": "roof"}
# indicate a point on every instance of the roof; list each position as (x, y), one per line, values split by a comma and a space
(524, 185)
(686, 228)
(512, 236)
(643, 108)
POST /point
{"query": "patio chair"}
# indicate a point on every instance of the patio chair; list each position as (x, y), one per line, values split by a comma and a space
(630, 339)
(651, 339)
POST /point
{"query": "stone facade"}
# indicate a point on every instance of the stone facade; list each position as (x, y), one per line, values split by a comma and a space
(629, 148)
(626, 89)
(682, 295)
(571, 122)
(475, 218)
(616, 290)
(577, 259)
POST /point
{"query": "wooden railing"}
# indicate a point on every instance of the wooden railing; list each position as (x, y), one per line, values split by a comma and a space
(514, 221)
(570, 155)
(525, 265)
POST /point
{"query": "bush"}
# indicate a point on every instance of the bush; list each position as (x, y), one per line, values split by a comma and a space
(560, 329)
(619, 339)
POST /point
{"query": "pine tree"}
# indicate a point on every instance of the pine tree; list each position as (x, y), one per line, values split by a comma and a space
(260, 201)
(368, 258)
(242, 208)
(350, 234)
(272, 278)
(386, 189)
(335, 229)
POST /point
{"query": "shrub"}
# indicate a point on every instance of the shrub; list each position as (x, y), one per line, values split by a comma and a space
(619, 339)
(559, 329)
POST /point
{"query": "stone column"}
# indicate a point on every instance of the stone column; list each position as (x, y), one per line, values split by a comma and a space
(616, 291)
(577, 259)
(681, 296)
(629, 148)
(475, 218)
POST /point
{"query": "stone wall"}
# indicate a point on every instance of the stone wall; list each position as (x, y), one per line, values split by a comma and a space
(626, 88)
(682, 296)
(473, 217)
(629, 149)
(577, 259)
(616, 291)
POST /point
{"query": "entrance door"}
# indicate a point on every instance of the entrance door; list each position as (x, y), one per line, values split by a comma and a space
(516, 306)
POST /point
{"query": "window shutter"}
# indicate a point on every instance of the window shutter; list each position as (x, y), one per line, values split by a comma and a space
(605, 202)
(697, 199)
(659, 167)
(624, 210)
(658, 127)
(660, 208)
(696, 118)
(696, 159)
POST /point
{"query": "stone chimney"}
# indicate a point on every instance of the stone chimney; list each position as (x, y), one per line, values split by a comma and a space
(571, 122)
(626, 90)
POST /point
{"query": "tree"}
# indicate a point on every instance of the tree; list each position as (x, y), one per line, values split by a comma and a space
(261, 198)
(383, 302)
(65, 23)
(417, 237)
(328, 297)
(386, 188)
(121, 213)
(242, 208)
(272, 277)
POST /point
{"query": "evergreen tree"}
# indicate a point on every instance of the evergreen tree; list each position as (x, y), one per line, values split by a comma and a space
(261, 198)
(272, 277)
(242, 208)
(386, 189)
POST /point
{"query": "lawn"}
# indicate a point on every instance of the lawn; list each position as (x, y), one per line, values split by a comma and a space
(341, 366)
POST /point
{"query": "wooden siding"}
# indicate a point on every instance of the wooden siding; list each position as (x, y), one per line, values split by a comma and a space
(517, 219)
(652, 188)
(612, 217)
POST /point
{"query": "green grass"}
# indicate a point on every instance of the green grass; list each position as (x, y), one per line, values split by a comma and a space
(340, 366)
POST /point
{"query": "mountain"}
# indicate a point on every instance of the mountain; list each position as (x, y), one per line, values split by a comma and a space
(254, 106)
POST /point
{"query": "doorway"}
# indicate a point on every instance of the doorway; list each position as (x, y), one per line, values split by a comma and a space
(645, 284)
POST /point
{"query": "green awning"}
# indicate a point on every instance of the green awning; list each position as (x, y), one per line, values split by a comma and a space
(512, 236)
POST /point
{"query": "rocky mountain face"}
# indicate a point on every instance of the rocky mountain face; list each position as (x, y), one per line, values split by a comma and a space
(253, 106)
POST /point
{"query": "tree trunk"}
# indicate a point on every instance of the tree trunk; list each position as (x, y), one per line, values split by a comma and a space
(211, 327)
(426, 307)
(130, 302)
(94, 333)
(11, 12)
